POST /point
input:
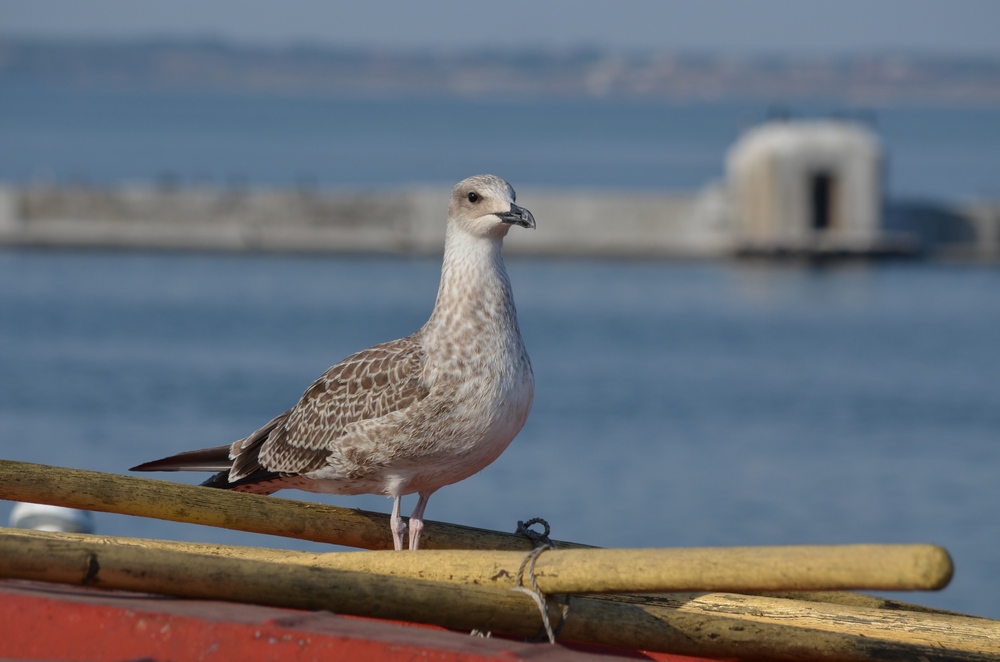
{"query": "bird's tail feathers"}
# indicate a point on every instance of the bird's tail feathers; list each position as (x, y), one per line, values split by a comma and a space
(206, 459)
(244, 473)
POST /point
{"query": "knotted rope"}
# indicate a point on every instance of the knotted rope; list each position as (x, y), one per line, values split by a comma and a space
(542, 544)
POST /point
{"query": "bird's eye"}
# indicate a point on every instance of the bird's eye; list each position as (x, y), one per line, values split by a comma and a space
(473, 197)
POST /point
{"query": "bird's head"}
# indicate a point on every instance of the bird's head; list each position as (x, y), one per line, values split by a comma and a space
(483, 206)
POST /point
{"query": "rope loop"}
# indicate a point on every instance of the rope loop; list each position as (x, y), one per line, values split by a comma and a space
(542, 544)
(524, 529)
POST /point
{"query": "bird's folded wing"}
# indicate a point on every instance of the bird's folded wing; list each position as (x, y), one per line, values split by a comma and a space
(370, 384)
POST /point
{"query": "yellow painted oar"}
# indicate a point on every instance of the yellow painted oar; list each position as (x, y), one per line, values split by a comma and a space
(714, 625)
(576, 571)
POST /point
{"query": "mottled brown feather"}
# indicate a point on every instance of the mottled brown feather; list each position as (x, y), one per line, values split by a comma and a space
(367, 385)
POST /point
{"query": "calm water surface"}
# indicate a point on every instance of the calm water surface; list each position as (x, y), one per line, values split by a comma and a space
(101, 137)
(677, 404)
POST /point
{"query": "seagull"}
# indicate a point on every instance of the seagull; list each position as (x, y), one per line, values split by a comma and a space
(410, 415)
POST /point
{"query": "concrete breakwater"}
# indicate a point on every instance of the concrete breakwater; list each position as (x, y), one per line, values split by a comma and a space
(688, 225)
(401, 221)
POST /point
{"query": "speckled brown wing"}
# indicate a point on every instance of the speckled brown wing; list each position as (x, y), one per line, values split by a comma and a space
(370, 384)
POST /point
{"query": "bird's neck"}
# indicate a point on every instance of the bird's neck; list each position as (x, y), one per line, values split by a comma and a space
(475, 295)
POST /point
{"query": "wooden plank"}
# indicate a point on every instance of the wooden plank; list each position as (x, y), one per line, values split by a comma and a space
(853, 599)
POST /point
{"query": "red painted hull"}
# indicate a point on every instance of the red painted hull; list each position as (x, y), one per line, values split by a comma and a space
(55, 622)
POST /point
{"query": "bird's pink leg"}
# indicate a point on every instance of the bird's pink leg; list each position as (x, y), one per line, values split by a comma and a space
(397, 525)
(417, 520)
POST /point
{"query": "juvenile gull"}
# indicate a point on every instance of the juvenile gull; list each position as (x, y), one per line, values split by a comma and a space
(414, 414)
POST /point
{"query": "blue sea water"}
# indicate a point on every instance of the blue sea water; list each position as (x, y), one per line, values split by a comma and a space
(677, 404)
(98, 137)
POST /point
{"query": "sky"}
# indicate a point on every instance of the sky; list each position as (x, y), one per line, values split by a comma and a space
(721, 27)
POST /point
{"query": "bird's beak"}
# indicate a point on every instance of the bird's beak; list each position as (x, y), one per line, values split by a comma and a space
(517, 216)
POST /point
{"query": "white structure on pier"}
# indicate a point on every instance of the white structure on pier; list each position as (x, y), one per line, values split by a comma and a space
(806, 185)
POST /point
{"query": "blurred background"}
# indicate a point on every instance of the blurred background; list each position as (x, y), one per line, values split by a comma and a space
(761, 302)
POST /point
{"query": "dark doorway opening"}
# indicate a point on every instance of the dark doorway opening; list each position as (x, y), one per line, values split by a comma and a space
(821, 200)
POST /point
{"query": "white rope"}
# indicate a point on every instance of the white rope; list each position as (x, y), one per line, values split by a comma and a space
(542, 544)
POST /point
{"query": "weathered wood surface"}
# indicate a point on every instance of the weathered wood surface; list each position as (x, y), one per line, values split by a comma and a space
(853, 599)
(159, 499)
(714, 625)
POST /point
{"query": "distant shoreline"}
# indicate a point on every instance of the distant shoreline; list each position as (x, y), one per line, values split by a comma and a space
(200, 65)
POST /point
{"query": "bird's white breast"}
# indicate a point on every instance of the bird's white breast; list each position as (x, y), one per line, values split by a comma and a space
(480, 383)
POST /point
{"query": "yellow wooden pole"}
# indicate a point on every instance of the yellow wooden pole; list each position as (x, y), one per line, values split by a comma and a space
(714, 625)
(177, 502)
(435, 571)
(736, 569)
(733, 569)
